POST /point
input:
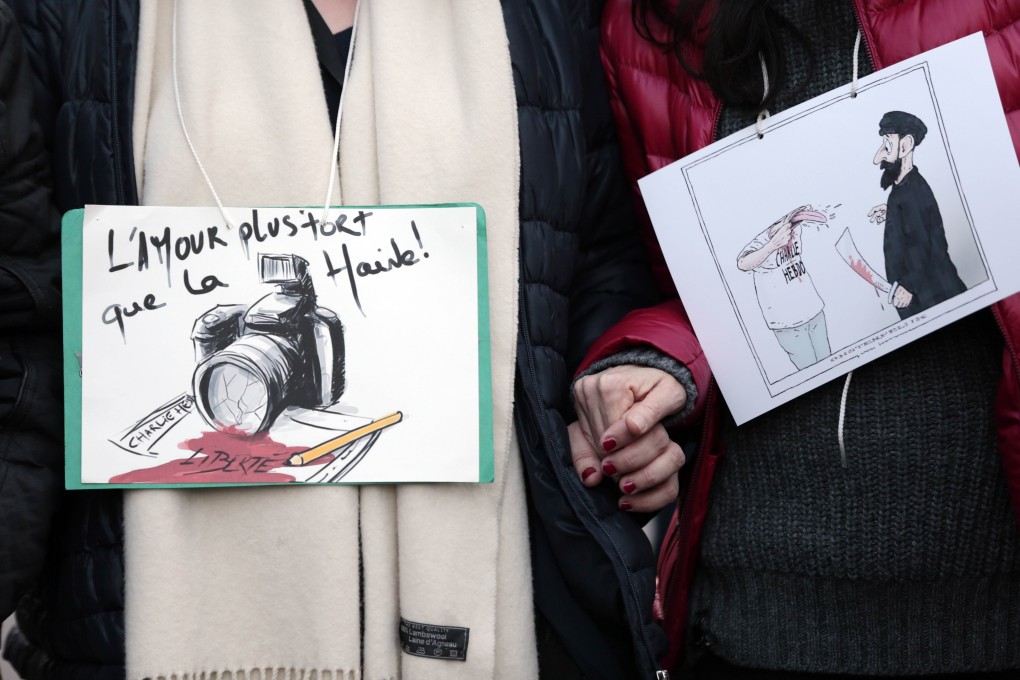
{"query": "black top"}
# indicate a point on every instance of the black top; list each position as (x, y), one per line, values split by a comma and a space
(916, 252)
(331, 49)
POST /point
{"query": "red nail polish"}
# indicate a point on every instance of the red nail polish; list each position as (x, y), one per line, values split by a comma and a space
(629, 486)
(588, 472)
(608, 468)
(625, 505)
(609, 444)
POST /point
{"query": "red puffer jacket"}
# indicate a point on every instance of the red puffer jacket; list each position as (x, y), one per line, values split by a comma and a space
(663, 114)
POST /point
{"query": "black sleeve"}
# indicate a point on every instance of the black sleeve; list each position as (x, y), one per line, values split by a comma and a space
(40, 34)
(30, 400)
(913, 242)
(613, 276)
(29, 225)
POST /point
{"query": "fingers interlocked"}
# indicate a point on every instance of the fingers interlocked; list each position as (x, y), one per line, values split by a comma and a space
(619, 434)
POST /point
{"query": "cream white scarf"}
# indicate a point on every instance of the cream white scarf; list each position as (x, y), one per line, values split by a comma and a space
(264, 582)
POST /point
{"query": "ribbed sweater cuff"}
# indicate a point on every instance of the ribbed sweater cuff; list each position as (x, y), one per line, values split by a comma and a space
(653, 358)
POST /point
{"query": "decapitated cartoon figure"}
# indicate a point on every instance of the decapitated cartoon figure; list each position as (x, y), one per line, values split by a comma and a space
(787, 297)
(916, 252)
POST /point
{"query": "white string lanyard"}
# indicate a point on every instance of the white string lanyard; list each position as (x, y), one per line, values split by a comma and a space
(846, 385)
(857, 51)
(334, 159)
(842, 418)
(764, 113)
(759, 128)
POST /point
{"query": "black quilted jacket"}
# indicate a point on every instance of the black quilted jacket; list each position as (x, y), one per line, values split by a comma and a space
(581, 270)
(30, 380)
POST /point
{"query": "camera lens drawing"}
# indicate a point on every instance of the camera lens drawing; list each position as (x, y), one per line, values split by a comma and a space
(282, 351)
(237, 398)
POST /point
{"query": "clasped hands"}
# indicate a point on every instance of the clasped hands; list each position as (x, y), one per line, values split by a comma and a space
(619, 434)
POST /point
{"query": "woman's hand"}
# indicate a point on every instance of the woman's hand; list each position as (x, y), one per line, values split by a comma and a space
(619, 434)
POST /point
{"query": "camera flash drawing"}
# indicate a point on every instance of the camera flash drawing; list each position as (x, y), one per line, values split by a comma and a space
(311, 353)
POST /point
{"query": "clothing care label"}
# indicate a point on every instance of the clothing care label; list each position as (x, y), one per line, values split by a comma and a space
(434, 642)
(854, 226)
(287, 348)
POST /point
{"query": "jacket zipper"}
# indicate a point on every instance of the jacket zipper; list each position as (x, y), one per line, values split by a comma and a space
(997, 315)
(1009, 341)
(118, 171)
(526, 337)
(683, 531)
(858, 15)
(715, 123)
(684, 525)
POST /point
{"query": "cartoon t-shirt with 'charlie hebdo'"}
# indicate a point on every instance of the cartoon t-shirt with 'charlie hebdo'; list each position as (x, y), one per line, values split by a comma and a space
(785, 292)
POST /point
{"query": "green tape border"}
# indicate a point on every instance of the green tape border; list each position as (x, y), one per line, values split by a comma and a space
(72, 226)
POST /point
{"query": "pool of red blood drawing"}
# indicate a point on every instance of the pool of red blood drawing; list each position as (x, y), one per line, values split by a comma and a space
(222, 457)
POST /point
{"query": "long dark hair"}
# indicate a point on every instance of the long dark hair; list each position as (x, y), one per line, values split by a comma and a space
(734, 33)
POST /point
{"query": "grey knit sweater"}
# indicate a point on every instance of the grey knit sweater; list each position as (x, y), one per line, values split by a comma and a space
(908, 560)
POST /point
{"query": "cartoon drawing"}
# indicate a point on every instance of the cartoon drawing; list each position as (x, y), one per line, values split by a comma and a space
(789, 302)
(916, 252)
(287, 350)
(847, 249)
(267, 374)
(282, 351)
(328, 447)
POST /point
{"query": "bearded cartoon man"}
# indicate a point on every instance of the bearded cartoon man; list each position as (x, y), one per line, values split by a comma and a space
(916, 252)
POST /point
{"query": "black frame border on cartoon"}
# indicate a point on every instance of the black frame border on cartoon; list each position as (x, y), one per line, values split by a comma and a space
(837, 357)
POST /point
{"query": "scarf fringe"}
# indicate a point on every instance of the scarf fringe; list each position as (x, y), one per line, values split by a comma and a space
(266, 674)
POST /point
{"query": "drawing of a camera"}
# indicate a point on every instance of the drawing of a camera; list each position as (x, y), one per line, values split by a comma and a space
(282, 351)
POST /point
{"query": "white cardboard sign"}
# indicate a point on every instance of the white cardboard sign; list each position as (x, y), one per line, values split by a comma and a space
(286, 349)
(794, 263)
